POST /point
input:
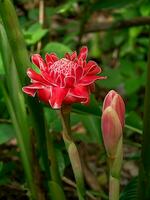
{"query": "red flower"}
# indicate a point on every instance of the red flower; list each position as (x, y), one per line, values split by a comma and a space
(63, 81)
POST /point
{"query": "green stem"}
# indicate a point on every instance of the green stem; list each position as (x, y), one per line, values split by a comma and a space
(56, 191)
(25, 157)
(114, 170)
(72, 151)
(15, 37)
(144, 172)
(21, 58)
(114, 185)
(17, 109)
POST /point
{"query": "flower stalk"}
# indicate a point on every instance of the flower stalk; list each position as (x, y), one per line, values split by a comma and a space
(113, 113)
(114, 172)
(72, 151)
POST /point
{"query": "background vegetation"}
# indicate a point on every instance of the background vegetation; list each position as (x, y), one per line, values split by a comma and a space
(117, 35)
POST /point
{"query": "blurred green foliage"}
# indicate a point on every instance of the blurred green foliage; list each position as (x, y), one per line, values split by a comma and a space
(122, 54)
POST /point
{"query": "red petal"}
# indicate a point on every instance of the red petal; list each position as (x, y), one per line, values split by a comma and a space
(57, 97)
(38, 61)
(91, 68)
(70, 99)
(83, 53)
(80, 62)
(44, 94)
(51, 58)
(71, 56)
(59, 81)
(80, 92)
(87, 80)
(49, 77)
(67, 55)
(69, 81)
(108, 99)
(31, 89)
(79, 73)
(35, 76)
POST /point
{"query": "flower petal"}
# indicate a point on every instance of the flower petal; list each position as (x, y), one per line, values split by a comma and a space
(71, 56)
(78, 73)
(108, 99)
(60, 81)
(44, 94)
(80, 92)
(69, 81)
(31, 89)
(91, 68)
(38, 61)
(49, 78)
(112, 130)
(57, 97)
(35, 76)
(87, 80)
(51, 58)
(83, 53)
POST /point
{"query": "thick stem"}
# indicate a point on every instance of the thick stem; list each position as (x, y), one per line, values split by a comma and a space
(114, 170)
(72, 151)
(114, 186)
(144, 172)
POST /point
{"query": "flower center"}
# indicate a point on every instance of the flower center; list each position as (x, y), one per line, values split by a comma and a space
(63, 66)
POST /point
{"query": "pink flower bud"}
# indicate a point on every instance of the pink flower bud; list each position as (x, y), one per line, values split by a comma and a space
(113, 113)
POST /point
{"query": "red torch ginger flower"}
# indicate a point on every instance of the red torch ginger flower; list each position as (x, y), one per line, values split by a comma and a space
(63, 81)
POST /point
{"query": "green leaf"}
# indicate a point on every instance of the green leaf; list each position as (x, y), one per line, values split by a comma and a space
(92, 125)
(113, 80)
(93, 108)
(66, 6)
(61, 161)
(6, 133)
(127, 68)
(1, 166)
(132, 85)
(56, 47)
(53, 119)
(130, 191)
(56, 191)
(34, 34)
(144, 8)
(5, 172)
(2, 71)
(134, 120)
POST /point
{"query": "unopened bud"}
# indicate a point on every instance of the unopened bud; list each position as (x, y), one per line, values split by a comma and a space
(112, 121)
